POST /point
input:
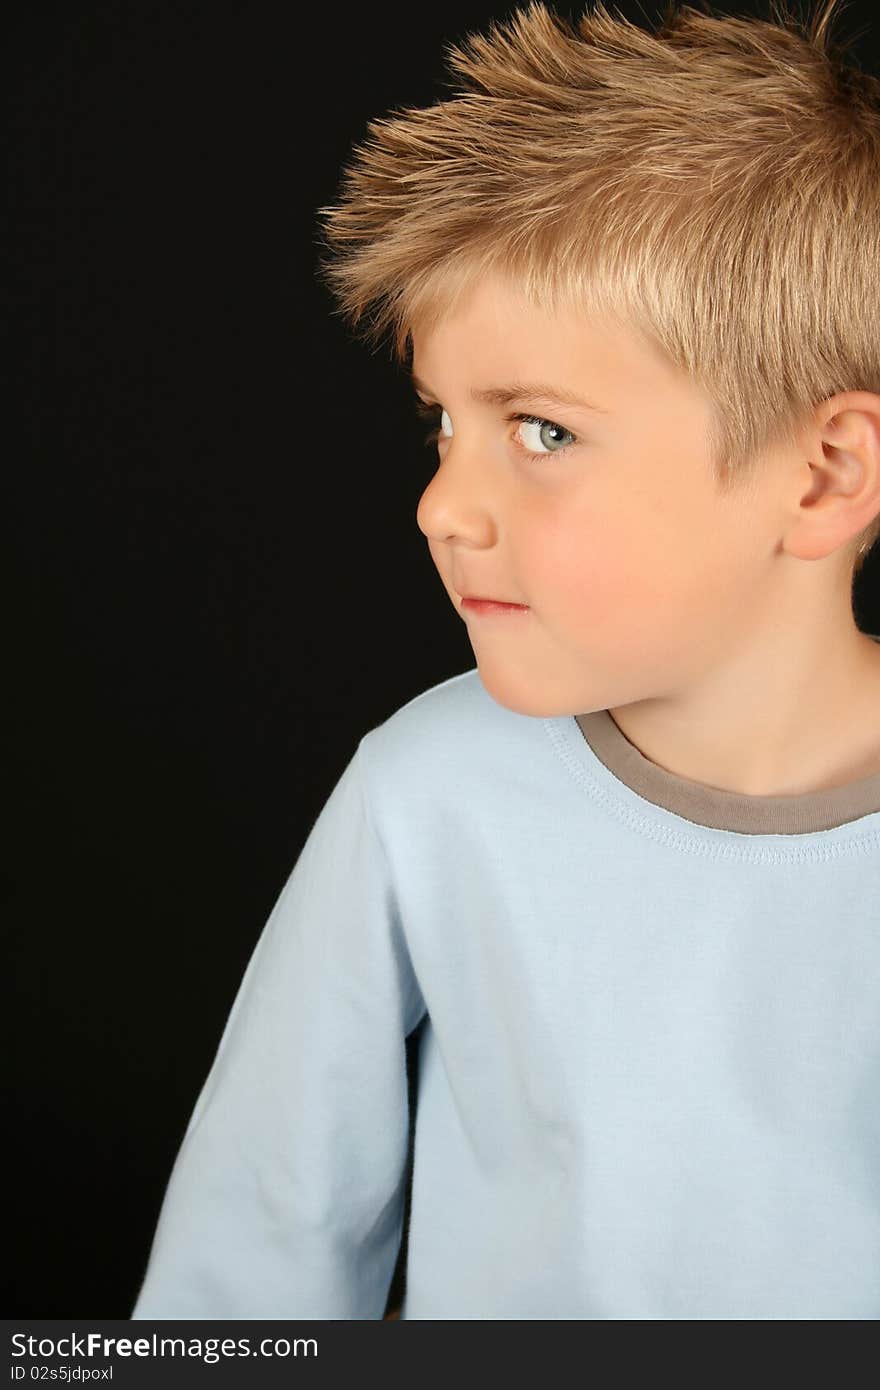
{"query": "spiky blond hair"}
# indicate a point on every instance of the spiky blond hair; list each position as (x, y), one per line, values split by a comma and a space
(714, 185)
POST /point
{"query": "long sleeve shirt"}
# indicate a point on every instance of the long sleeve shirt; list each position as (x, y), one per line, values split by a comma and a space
(648, 1061)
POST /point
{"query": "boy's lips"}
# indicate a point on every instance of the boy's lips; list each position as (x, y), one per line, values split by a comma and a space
(481, 604)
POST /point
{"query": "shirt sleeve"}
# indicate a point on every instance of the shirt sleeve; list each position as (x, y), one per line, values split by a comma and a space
(286, 1197)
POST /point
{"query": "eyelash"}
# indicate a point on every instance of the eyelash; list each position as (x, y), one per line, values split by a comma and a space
(432, 412)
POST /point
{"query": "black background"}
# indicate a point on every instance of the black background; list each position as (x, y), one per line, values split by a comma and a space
(216, 580)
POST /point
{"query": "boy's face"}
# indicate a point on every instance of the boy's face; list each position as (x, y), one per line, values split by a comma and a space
(635, 569)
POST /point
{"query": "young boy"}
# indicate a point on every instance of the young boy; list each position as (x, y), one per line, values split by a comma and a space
(625, 873)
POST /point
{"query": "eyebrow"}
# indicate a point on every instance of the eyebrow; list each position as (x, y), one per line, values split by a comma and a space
(520, 391)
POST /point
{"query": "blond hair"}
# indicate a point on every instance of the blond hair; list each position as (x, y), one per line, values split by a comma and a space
(714, 185)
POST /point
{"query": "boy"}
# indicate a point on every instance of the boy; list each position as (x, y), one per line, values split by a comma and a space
(625, 873)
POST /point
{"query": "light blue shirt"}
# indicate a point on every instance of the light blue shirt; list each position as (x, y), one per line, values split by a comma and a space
(649, 1066)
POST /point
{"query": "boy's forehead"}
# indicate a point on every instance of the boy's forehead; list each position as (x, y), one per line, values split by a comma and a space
(497, 305)
(502, 354)
(581, 370)
(506, 345)
(497, 345)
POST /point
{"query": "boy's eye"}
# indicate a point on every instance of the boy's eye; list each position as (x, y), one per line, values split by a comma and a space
(538, 426)
(542, 430)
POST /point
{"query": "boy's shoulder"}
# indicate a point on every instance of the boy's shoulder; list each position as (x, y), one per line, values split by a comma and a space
(448, 699)
(453, 707)
(444, 731)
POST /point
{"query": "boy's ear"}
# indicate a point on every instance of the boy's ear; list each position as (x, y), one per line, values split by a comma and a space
(844, 458)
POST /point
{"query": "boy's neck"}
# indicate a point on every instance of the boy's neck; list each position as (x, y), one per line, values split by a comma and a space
(809, 726)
